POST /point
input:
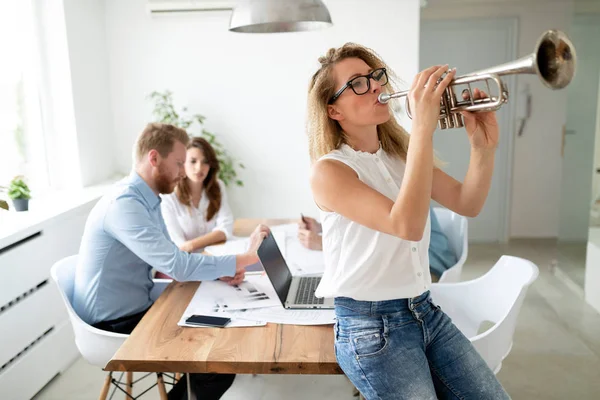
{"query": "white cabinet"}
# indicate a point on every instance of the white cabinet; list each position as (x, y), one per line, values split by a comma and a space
(36, 338)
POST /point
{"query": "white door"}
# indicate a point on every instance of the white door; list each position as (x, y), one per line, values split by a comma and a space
(470, 45)
(578, 153)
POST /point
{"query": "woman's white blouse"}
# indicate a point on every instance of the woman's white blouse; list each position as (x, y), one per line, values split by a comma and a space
(365, 264)
(185, 223)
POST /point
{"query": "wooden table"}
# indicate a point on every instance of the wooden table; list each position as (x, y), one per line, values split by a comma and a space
(158, 344)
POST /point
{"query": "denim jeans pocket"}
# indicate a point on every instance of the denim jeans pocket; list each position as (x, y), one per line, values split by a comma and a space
(369, 344)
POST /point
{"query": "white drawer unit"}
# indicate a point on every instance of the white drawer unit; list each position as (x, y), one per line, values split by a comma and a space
(36, 336)
(36, 366)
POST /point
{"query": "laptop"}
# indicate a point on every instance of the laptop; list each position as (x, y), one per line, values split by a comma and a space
(293, 291)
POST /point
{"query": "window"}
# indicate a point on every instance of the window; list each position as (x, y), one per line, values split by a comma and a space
(22, 148)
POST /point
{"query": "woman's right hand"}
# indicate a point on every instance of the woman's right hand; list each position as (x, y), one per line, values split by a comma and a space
(310, 239)
(425, 95)
(311, 224)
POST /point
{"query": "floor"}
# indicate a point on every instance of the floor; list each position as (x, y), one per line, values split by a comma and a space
(571, 261)
(556, 351)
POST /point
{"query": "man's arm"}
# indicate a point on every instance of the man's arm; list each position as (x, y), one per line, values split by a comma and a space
(129, 222)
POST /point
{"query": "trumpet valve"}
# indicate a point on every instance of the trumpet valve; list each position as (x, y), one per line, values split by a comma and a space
(458, 121)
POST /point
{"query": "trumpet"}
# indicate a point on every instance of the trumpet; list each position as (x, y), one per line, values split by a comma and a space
(553, 61)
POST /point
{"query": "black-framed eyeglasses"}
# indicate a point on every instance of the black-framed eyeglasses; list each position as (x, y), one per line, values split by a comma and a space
(362, 84)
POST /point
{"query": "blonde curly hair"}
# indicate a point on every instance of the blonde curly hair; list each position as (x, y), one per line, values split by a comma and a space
(326, 134)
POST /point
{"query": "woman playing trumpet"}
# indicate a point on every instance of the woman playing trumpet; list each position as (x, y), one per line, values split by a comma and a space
(373, 186)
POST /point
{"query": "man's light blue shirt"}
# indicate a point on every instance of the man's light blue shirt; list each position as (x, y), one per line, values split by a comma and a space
(125, 237)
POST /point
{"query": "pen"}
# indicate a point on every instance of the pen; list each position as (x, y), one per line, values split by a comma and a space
(303, 219)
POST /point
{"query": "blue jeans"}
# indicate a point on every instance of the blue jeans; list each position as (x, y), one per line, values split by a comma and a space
(409, 349)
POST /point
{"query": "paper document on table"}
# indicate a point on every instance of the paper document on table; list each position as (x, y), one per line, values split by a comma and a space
(256, 291)
(280, 315)
(230, 247)
(288, 229)
(302, 261)
(281, 239)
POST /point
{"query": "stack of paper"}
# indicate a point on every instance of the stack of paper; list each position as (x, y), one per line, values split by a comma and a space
(252, 303)
(232, 246)
(255, 302)
(302, 261)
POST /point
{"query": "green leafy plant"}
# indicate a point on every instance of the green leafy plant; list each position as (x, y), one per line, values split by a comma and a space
(164, 111)
(18, 189)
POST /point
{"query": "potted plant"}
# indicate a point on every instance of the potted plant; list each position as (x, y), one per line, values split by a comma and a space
(164, 111)
(19, 193)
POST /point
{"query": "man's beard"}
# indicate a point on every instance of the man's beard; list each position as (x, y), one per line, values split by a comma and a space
(164, 185)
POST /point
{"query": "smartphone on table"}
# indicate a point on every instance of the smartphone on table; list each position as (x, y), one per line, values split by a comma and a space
(208, 320)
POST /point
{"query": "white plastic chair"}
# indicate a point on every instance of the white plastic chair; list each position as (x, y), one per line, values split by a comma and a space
(455, 227)
(95, 345)
(496, 299)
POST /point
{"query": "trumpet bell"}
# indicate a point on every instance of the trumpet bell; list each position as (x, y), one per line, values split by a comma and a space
(555, 59)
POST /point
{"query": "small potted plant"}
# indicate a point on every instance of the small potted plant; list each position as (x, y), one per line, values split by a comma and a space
(19, 193)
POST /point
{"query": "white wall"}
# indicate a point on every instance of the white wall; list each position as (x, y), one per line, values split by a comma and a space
(251, 88)
(57, 95)
(537, 164)
(578, 160)
(596, 178)
(90, 84)
(77, 114)
(592, 269)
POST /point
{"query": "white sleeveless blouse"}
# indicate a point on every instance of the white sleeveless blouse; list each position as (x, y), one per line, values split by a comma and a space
(365, 264)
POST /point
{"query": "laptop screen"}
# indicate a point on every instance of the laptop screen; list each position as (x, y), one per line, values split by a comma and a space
(274, 264)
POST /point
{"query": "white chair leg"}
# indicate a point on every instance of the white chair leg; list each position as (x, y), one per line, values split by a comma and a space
(106, 387)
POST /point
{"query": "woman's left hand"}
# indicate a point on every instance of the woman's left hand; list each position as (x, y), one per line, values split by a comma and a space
(482, 127)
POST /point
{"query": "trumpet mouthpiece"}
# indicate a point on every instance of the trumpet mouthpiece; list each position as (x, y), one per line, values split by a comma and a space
(383, 98)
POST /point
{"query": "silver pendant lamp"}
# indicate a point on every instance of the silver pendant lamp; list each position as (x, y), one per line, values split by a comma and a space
(271, 16)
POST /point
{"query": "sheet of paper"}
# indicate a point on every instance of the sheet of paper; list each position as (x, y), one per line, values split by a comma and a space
(281, 240)
(256, 291)
(288, 229)
(280, 315)
(302, 261)
(232, 246)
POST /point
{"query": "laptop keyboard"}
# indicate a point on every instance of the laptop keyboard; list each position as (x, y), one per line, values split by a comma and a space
(306, 291)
